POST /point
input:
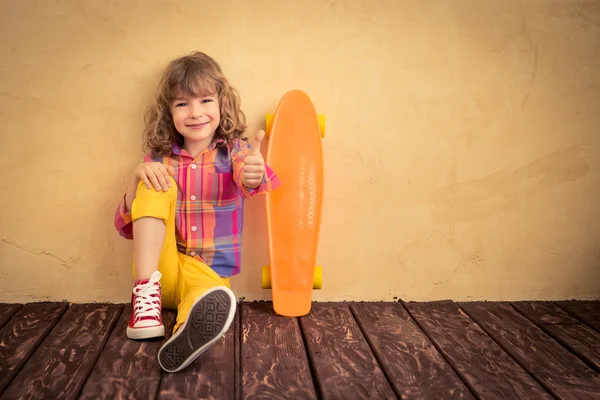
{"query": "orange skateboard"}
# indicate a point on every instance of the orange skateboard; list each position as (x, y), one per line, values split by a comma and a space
(294, 209)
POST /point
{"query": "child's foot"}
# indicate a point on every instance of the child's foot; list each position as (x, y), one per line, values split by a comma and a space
(146, 301)
(209, 319)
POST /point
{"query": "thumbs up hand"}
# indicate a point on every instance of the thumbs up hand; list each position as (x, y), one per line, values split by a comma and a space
(254, 163)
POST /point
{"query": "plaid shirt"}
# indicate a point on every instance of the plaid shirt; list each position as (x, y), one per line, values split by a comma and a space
(209, 214)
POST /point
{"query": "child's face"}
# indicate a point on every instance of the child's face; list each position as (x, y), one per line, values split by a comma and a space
(196, 117)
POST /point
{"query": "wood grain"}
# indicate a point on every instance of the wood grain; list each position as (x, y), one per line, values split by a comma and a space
(566, 388)
(568, 331)
(22, 335)
(344, 364)
(561, 372)
(211, 376)
(480, 362)
(587, 312)
(60, 366)
(273, 356)
(49, 350)
(544, 313)
(581, 340)
(127, 369)
(7, 311)
(412, 364)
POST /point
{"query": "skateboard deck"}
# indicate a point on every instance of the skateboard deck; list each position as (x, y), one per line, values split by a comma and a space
(294, 209)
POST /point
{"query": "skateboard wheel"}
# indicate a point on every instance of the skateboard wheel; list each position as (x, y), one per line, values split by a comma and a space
(318, 278)
(268, 123)
(321, 119)
(266, 277)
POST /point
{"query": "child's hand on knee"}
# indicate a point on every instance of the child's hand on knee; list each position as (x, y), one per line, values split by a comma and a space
(154, 174)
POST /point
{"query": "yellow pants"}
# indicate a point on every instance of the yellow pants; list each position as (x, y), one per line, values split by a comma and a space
(184, 278)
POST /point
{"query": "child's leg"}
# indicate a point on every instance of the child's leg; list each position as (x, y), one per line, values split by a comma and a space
(196, 279)
(155, 249)
(149, 235)
(152, 252)
(204, 314)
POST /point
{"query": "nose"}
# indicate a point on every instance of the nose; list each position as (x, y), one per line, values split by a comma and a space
(196, 110)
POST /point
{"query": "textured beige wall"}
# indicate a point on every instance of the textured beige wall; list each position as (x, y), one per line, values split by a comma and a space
(462, 153)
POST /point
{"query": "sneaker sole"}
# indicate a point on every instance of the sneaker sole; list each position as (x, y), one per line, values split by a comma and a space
(146, 332)
(209, 319)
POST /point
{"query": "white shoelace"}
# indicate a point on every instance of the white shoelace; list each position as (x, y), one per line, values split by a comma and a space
(146, 300)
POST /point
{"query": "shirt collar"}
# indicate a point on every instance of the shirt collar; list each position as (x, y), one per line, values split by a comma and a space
(177, 149)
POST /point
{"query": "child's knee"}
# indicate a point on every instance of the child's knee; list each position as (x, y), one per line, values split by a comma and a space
(154, 203)
(143, 190)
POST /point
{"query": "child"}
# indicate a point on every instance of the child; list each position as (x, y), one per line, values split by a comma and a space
(184, 208)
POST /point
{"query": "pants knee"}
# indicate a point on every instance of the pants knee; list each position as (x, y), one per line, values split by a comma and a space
(154, 203)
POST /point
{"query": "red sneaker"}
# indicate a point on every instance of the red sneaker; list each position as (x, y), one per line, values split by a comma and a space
(146, 301)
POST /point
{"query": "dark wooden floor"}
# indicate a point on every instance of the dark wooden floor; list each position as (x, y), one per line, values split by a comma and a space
(526, 350)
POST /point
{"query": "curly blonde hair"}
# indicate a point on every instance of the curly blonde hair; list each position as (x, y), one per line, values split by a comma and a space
(195, 74)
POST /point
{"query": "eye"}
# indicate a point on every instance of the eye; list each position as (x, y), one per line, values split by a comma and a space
(207, 100)
(181, 104)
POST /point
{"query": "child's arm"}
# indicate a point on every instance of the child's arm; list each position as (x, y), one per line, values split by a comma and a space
(253, 171)
(122, 220)
(242, 156)
(152, 174)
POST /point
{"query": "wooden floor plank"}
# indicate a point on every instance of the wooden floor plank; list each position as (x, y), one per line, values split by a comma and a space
(544, 313)
(342, 360)
(581, 340)
(587, 312)
(211, 376)
(575, 336)
(566, 388)
(412, 364)
(481, 362)
(273, 356)
(561, 372)
(59, 367)
(49, 353)
(22, 335)
(7, 311)
(127, 369)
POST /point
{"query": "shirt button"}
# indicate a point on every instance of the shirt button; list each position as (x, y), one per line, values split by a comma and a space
(194, 229)
(193, 253)
(193, 166)
(192, 197)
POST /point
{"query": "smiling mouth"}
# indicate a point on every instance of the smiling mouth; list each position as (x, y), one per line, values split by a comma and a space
(197, 126)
